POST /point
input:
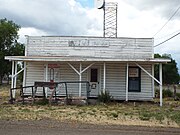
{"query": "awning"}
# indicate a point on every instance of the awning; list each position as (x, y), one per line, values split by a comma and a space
(81, 59)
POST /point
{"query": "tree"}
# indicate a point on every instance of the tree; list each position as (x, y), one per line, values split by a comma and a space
(169, 70)
(8, 45)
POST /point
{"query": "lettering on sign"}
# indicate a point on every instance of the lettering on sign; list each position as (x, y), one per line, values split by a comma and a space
(87, 42)
(133, 72)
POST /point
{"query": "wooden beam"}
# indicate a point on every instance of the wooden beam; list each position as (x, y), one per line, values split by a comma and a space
(153, 92)
(80, 78)
(87, 67)
(12, 78)
(160, 86)
(104, 78)
(24, 74)
(20, 71)
(127, 80)
(74, 68)
(15, 79)
(148, 73)
(46, 78)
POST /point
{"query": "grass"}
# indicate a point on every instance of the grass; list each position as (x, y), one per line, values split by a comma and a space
(143, 113)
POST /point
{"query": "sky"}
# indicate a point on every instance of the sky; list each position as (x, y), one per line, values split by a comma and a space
(136, 18)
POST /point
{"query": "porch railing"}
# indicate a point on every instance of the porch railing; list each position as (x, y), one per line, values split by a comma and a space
(43, 85)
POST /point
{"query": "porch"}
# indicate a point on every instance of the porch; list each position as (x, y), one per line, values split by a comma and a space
(111, 74)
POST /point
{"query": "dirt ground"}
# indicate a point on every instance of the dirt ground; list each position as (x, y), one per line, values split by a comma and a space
(136, 114)
(49, 127)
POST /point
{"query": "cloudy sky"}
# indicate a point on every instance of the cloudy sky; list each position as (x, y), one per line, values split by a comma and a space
(136, 18)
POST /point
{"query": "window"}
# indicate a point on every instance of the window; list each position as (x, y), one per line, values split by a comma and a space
(134, 79)
(94, 75)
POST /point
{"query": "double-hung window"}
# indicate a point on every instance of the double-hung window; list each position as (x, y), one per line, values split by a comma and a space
(134, 79)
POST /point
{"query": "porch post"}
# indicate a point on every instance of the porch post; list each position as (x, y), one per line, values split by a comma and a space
(46, 78)
(46, 72)
(80, 73)
(153, 92)
(24, 75)
(80, 78)
(160, 79)
(127, 80)
(104, 80)
(15, 79)
(12, 78)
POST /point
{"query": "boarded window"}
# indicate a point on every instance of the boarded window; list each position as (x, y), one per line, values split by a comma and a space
(134, 79)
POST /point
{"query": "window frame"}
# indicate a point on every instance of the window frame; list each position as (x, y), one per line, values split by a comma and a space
(138, 79)
(91, 75)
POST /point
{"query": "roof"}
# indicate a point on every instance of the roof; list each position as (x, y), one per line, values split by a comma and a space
(95, 37)
(78, 58)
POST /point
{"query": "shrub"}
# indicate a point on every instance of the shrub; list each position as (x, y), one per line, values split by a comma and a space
(104, 97)
(167, 93)
(178, 95)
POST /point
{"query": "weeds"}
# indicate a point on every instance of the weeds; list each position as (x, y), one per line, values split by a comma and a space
(176, 117)
(145, 116)
(43, 101)
(102, 113)
(159, 116)
(104, 97)
(114, 114)
(167, 93)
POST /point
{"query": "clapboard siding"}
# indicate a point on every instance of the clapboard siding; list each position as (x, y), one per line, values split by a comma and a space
(146, 86)
(116, 83)
(115, 79)
(34, 72)
(90, 46)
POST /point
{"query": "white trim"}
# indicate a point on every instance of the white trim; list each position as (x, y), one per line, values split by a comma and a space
(127, 80)
(15, 79)
(24, 74)
(46, 72)
(46, 78)
(12, 79)
(73, 68)
(12, 74)
(87, 68)
(26, 45)
(153, 91)
(160, 86)
(148, 73)
(80, 78)
(82, 59)
(80, 73)
(100, 79)
(104, 78)
(19, 71)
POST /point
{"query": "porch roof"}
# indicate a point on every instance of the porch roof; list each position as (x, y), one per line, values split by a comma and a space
(79, 58)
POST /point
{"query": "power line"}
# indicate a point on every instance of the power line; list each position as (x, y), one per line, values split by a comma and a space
(167, 35)
(167, 21)
(167, 39)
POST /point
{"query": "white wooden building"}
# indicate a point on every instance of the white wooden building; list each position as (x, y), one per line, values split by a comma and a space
(122, 66)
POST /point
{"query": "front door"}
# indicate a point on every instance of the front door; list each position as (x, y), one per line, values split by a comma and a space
(94, 82)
